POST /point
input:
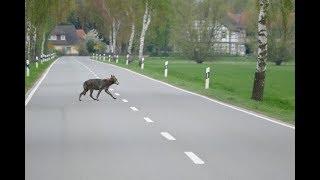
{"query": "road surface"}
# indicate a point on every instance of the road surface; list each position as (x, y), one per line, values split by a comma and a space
(150, 132)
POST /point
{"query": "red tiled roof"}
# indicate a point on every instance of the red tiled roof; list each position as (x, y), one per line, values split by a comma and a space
(80, 33)
(239, 20)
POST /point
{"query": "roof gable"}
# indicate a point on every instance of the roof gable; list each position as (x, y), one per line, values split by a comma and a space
(69, 31)
(80, 33)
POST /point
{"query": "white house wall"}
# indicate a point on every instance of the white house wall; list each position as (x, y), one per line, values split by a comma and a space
(233, 44)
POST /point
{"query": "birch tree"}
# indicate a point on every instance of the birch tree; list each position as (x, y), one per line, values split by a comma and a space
(145, 24)
(41, 16)
(131, 20)
(115, 29)
(131, 39)
(259, 77)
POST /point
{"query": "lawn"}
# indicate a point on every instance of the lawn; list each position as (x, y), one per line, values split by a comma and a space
(35, 73)
(231, 81)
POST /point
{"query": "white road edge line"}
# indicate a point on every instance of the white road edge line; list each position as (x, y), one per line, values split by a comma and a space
(213, 100)
(134, 108)
(124, 100)
(167, 136)
(148, 120)
(194, 158)
(38, 84)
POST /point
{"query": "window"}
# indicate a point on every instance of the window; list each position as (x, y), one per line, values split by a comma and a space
(63, 37)
(224, 34)
(53, 37)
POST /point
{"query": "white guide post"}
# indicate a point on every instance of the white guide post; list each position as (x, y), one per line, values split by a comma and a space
(37, 61)
(166, 69)
(142, 63)
(207, 78)
(28, 71)
(127, 61)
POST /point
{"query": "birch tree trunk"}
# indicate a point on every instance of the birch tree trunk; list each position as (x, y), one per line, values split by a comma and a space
(111, 42)
(131, 39)
(113, 36)
(259, 78)
(145, 25)
(28, 39)
(43, 41)
(229, 42)
(115, 27)
(34, 42)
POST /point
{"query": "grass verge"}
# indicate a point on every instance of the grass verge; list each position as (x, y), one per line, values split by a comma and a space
(231, 81)
(35, 73)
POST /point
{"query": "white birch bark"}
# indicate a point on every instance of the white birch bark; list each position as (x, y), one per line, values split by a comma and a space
(43, 41)
(34, 41)
(111, 42)
(115, 27)
(145, 24)
(28, 39)
(131, 39)
(262, 37)
(113, 35)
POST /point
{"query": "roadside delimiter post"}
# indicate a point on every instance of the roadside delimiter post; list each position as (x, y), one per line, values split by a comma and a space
(37, 61)
(27, 68)
(166, 69)
(127, 61)
(142, 63)
(207, 78)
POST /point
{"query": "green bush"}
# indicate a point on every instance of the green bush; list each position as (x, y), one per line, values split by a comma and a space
(83, 49)
(90, 46)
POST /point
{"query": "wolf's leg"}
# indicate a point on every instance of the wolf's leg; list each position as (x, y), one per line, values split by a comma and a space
(108, 92)
(91, 91)
(98, 94)
(83, 93)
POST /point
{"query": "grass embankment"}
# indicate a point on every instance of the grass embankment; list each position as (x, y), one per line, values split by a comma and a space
(35, 73)
(231, 81)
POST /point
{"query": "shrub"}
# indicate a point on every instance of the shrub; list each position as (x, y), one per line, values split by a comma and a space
(83, 49)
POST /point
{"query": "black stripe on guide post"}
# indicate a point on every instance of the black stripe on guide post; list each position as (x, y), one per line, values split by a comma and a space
(207, 75)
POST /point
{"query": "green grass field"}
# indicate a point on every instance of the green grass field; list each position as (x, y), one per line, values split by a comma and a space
(35, 73)
(231, 81)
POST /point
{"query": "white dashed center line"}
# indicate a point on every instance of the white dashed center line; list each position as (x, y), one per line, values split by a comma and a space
(148, 119)
(194, 158)
(117, 94)
(168, 136)
(134, 108)
(95, 75)
(124, 100)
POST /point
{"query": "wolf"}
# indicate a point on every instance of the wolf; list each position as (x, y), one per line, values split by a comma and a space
(98, 84)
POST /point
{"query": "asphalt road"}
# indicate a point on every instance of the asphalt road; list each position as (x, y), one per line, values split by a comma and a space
(150, 132)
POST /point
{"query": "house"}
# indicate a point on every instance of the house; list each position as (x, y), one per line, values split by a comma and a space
(66, 39)
(230, 34)
(81, 34)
